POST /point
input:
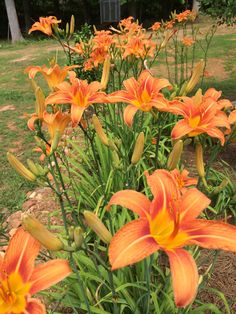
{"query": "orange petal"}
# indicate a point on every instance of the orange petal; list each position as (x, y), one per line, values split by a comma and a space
(135, 201)
(193, 203)
(31, 121)
(180, 129)
(232, 117)
(131, 85)
(214, 132)
(20, 254)
(129, 113)
(184, 276)
(76, 114)
(212, 234)
(48, 274)
(35, 306)
(131, 244)
(164, 188)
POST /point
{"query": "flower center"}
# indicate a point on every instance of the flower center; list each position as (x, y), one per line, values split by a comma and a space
(193, 122)
(13, 292)
(165, 229)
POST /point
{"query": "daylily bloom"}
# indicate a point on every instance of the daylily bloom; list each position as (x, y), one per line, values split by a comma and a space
(19, 279)
(168, 222)
(44, 25)
(232, 117)
(187, 41)
(79, 94)
(156, 26)
(183, 180)
(56, 123)
(214, 94)
(53, 75)
(141, 94)
(201, 115)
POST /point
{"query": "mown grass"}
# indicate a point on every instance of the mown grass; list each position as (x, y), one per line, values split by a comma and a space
(16, 92)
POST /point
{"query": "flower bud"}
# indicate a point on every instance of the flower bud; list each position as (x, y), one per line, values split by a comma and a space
(199, 160)
(99, 130)
(175, 155)
(72, 24)
(105, 73)
(32, 167)
(71, 232)
(20, 168)
(221, 187)
(78, 237)
(40, 233)
(97, 226)
(197, 73)
(115, 159)
(40, 102)
(138, 149)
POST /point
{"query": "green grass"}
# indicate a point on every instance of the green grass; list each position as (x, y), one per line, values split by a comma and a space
(16, 91)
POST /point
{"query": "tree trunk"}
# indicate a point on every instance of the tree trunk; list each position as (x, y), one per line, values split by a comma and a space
(13, 21)
(196, 6)
(26, 9)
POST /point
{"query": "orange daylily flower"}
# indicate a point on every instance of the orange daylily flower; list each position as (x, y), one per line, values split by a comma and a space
(53, 75)
(183, 180)
(79, 94)
(168, 222)
(201, 115)
(141, 94)
(183, 16)
(19, 279)
(56, 124)
(214, 94)
(232, 117)
(156, 26)
(187, 41)
(44, 25)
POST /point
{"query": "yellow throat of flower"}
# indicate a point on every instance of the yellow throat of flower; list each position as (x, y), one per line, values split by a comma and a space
(13, 292)
(166, 232)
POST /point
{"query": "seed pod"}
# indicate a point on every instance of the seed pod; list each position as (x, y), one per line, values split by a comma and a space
(40, 233)
(175, 155)
(78, 237)
(199, 160)
(20, 168)
(99, 130)
(138, 149)
(97, 226)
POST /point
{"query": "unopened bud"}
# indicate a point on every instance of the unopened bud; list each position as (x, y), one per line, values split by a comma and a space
(105, 73)
(221, 187)
(40, 102)
(78, 237)
(97, 226)
(99, 130)
(197, 73)
(138, 149)
(115, 159)
(20, 168)
(71, 233)
(199, 160)
(72, 24)
(40, 233)
(32, 167)
(112, 145)
(175, 155)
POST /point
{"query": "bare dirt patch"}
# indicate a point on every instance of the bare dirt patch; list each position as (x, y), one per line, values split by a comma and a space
(7, 108)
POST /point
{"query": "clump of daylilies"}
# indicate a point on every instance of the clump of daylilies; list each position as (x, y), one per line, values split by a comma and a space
(142, 108)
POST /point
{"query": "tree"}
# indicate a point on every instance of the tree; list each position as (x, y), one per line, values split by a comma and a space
(13, 21)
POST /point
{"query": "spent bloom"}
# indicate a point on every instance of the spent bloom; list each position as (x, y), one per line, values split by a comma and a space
(45, 25)
(168, 222)
(20, 279)
(142, 94)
